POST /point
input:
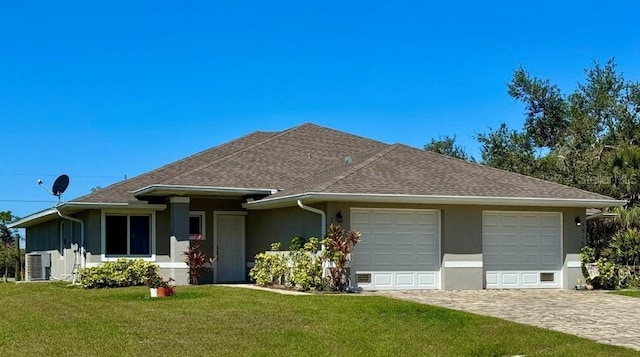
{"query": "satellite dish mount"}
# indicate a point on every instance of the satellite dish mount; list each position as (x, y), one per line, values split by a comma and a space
(59, 186)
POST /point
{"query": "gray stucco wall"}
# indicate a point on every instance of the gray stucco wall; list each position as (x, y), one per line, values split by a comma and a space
(55, 237)
(461, 228)
(280, 225)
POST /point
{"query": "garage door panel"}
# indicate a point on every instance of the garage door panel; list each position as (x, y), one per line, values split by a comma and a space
(402, 249)
(529, 260)
(382, 218)
(425, 219)
(510, 239)
(510, 259)
(360, 218)
(529, 221)
(404, 239)
(510, 220)
(549, 240)
(551, 221)
(530, 240)
(509, 279)
(518, 247)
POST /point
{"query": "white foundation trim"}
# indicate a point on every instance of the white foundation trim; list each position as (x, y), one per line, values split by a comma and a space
(164, 265)
(463, 264)
(179, 200)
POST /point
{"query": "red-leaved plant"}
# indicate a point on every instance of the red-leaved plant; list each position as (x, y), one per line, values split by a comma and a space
(196, 261)
(338, 246)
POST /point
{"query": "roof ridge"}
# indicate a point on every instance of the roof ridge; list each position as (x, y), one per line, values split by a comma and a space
(360, 166)
(116, 184)
(208, 164)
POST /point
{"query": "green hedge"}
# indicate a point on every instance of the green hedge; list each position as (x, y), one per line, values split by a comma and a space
(123, 272)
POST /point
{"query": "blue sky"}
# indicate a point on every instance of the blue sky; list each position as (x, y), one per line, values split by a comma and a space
(99, 90)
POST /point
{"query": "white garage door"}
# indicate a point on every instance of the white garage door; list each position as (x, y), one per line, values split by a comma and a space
(522, 249)
(400, 249)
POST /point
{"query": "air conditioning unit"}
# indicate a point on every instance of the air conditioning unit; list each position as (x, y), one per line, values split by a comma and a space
(38, 266)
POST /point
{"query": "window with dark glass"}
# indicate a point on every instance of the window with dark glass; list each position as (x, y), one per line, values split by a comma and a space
(195, 225)
(128, 235)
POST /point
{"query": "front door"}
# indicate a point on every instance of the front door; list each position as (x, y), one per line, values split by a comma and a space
(229, 247)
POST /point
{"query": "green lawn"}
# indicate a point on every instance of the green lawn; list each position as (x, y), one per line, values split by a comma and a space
(632, 293)
(51, 319)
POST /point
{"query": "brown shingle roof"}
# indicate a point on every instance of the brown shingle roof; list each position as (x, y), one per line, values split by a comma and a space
(310, 158)
(403, 170)
(258, 160)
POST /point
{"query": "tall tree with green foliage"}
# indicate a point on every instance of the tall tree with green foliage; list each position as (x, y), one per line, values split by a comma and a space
(9, 246)
(446, 145)
(587, 139)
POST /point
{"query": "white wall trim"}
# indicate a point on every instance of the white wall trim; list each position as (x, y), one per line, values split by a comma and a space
(177, 199)
(173, 265)
(463, 264)
(574, 264)
(163, 265)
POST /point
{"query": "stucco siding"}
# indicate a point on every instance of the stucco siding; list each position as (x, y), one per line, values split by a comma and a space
(279, 225)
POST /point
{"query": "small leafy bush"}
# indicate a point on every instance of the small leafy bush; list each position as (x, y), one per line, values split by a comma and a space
(617, 260)
(300, 268)
(296, 244)
(121, 273)
(269, 269)
(306, 266)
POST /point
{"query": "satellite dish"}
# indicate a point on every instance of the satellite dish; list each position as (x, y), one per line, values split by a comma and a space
(60, 185)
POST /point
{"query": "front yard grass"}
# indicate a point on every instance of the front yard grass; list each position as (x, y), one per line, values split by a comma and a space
(51, 319)
(632, 293)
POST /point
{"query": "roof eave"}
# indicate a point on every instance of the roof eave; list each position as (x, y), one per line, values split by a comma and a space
(75, 207)
(186, 190)
(291, 200)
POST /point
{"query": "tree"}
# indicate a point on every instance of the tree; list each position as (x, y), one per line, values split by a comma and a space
(508, 150)
(446, 145)
(586, 139)
(9, 246)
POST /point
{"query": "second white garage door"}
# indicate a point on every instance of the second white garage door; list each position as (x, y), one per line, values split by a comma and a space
(400, 249)
(522, 249)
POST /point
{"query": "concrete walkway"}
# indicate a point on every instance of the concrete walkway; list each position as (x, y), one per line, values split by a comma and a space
(596, 315)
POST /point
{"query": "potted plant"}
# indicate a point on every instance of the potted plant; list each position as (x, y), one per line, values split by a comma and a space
(166, 288)
(154, 283)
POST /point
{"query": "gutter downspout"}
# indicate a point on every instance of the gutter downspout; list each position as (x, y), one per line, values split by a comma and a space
(322, 214)
(81, 248)
(325, 265)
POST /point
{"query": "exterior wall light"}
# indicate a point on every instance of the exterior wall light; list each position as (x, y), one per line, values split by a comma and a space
(578, 221)
(339, 217)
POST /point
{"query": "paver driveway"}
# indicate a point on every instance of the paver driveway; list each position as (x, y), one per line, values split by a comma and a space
(596, 315)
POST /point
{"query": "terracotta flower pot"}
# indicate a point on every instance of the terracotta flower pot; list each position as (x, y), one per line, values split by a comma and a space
(162, 291)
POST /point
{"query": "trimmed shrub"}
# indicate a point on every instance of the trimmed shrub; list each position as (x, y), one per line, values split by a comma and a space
(269, 269)
(121, 273)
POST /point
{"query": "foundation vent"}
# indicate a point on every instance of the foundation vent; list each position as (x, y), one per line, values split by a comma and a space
(547, 277)
(363, 278)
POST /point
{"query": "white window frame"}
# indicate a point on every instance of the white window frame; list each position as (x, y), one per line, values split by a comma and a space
(203, 222)
(103, 235)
